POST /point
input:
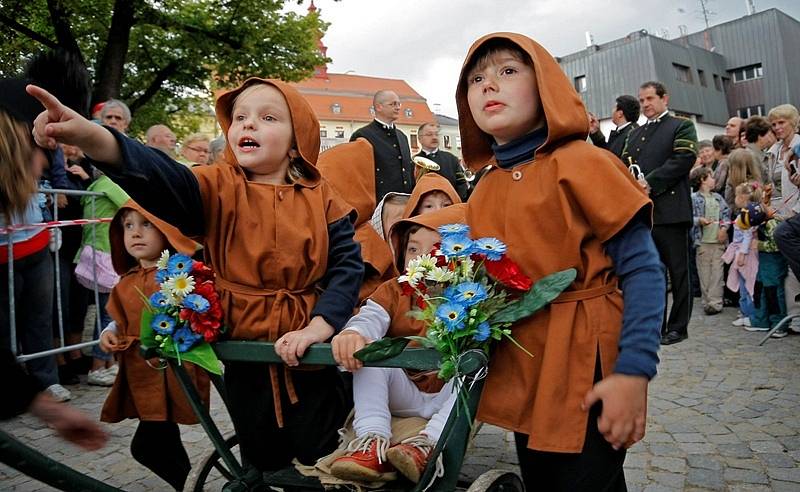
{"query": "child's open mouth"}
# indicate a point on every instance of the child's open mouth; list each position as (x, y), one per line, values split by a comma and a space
(247, 144)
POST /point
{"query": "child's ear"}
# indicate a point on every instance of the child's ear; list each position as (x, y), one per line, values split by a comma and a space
(293, 154)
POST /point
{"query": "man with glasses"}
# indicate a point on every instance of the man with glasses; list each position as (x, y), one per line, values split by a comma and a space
(449, 167)
(394, 170)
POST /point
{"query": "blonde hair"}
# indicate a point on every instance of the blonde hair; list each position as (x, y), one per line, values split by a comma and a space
(784, 111)
(752, 190)
(296, 171)
(742, 167)
(195, 137)
(17, 182)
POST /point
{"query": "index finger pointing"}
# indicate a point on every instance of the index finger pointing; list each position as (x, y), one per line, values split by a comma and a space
(49, 101)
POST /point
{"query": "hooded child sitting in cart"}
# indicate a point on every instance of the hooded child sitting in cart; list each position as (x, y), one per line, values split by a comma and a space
(280, 240)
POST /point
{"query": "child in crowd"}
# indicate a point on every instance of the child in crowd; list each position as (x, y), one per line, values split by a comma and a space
(94, 261)
(742, 168)
(432, 192)
(279, 239)
(355, 181)
(741, 252)
(142, 390)
(379, 392)
(559, 202)
(388, 211)
(710, 233)
(770, 305)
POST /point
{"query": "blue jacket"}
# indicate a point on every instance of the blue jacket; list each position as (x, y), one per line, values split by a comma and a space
(699, 210)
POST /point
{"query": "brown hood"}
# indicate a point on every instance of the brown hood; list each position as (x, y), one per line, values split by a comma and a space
(427, 183)
(304, 124)
(120, 258)
(562, 107)
(454, 214)
(350, 168)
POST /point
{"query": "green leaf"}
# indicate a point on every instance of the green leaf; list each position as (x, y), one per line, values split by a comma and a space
(448, 370)
(203, 355)
(541, 294)
(147, 336)
(382, 349)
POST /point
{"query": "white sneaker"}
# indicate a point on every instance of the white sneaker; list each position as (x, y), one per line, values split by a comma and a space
(743, 321)
(101, 377)
(59, 393)
(113, 370)
(756, 328)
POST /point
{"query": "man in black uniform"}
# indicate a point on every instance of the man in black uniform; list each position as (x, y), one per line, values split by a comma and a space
(394, 170)
(624, 116)
(449, 167)
(665, 149)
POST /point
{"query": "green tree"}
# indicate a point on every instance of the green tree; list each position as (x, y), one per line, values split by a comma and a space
(160, 56)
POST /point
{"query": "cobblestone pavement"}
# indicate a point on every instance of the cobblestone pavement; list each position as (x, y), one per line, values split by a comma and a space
(723, 416)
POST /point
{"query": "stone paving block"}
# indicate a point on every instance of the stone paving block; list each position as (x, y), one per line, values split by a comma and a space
(784, 474)
(688, 437)
(778, 486)
(746, 476)
(705, 479)
(697, 447)
(668, 479)
(766, 447)
(703, 461)
(735, 450)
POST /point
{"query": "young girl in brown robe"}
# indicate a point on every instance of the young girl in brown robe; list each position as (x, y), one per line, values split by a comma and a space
(280, 240)
(142, 391)
(558, 202)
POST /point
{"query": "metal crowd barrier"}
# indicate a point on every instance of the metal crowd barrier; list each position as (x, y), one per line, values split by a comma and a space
(56, 225)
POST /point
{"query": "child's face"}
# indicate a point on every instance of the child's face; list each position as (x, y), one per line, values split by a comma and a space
(504, 98)
(261, 133)
(142, 240)
(708, 183)
(741, 199)
(433, 201)
(391, 213)
(420, 242)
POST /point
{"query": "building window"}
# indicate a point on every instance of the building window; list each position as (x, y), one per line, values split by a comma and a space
(372, 111)
(682, 73)
(409, 112)
(701, 77)
(717, 83)
(339, 132)
(747, 73)
(458, 141)
(446, 140)
(336, 108)
(746, 112)
(323, 132)
(580, 83)
(414, 142)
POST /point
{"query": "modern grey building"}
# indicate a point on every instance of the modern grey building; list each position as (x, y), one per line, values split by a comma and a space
(742, 67)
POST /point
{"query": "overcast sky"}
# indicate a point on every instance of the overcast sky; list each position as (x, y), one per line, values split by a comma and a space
(424, 41)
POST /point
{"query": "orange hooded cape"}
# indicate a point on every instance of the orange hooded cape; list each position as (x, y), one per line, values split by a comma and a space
(427, 183)
(267, 243)
(350, 168)
(554, 212)
(390, 295)
(141, 391)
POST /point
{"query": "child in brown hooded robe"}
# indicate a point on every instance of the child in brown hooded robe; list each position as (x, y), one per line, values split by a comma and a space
(350, 168)
(280, 240)
(432, 192)
(141, 390)
(558, 202)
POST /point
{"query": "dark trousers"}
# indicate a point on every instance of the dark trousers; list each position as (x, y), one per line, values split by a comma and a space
(787, 237)
(310, 427)
(597, 468)
(672, 243)
(33, 301)
(158, 446)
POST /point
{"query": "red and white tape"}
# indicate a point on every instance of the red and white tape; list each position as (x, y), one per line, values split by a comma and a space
(53, 224)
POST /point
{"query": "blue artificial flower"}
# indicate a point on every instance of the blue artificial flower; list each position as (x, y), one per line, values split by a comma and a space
(453, 230)
(179, 263)
(162, 324)
(452, 315)
(483, 332)
(451, 294)
(459, 245)
(196, 303)
(161, 276)
(185, 338)
(469, 293)
(492, 247)
(158, 300)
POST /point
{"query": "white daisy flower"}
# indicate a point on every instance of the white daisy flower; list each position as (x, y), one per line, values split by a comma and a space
(161, 264)
(180, 285)
(440, 275)
(426, 262)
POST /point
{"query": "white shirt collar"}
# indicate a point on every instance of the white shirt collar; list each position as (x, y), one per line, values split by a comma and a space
(658, 118)
(389, 125)
(432, 151)
(620, 127)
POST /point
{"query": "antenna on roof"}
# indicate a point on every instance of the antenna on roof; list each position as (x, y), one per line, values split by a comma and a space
(705, 11)
(663, 33)
(683, 30)
(589, 39)
(751, 6)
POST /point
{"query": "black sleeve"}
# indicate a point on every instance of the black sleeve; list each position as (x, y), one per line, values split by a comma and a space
(598, 139)
(342, 281)
(356, 134)
(20, 387)
(676, 168)
(158, 183)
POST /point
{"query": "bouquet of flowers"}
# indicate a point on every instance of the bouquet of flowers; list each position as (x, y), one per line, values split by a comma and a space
(468, 294)
(185, 314)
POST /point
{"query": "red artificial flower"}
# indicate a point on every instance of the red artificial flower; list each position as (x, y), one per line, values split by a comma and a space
(508, 273)
(407, 289)
(421, 302)
(201, 272)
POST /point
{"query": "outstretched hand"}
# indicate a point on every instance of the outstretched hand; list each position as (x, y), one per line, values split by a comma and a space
(624, 415)
(57, 123)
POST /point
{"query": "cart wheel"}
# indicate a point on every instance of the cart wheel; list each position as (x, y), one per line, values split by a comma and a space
(211, 474)
(497, 481)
